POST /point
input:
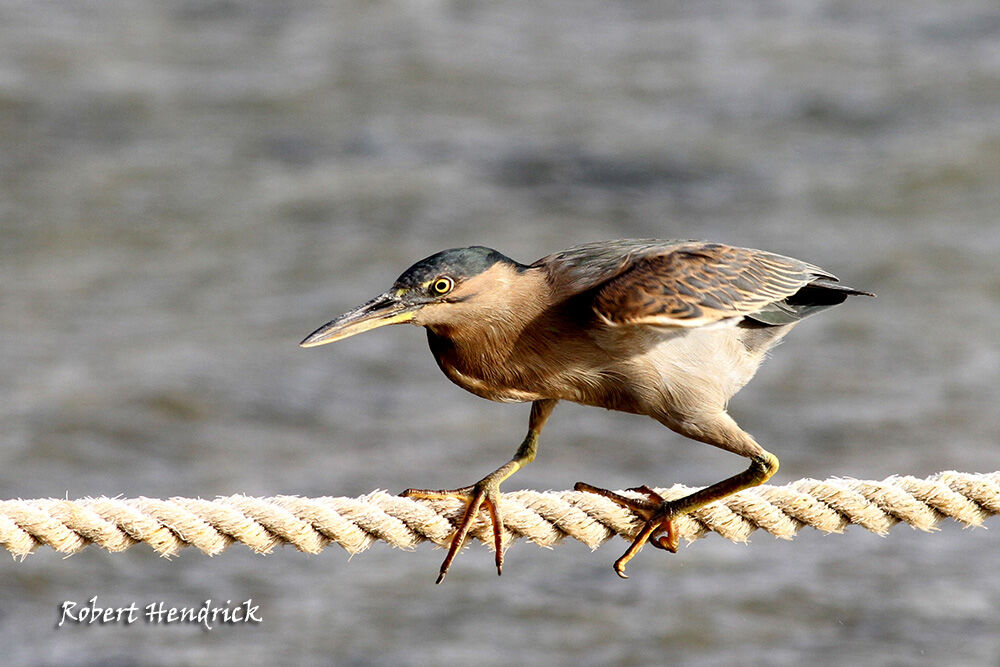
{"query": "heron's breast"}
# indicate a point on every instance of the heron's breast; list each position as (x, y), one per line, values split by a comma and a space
(482, 373)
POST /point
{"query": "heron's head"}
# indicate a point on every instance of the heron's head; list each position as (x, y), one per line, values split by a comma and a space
(450, 288)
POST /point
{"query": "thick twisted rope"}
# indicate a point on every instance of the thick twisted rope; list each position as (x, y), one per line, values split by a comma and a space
(545, 518)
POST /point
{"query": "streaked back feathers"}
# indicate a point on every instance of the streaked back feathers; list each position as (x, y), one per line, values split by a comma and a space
(690, 283)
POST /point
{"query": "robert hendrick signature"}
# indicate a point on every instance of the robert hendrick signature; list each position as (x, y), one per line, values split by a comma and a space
(208, 615)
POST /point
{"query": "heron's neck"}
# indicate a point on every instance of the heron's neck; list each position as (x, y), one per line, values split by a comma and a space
(498, 327)
(502, 343)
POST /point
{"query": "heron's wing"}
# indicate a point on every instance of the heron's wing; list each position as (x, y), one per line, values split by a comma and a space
(584, 267)
(696, 284)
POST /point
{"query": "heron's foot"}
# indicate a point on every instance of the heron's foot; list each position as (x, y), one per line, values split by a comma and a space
(659, 515)
(485, 492)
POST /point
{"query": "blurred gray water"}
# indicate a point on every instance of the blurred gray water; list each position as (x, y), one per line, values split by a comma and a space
(187, 188)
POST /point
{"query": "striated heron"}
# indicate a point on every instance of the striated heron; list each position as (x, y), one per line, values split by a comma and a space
(669, 329)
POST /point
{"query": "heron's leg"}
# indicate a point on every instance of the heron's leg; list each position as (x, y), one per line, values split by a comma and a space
(487, 490)
(659, 514)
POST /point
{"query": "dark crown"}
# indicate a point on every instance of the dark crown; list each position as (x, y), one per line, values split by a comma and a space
(457, 263)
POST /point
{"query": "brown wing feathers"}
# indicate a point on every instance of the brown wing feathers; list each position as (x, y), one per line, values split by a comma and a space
(697, 284)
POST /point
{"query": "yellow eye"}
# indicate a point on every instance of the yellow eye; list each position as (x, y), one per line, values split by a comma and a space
(442, 285)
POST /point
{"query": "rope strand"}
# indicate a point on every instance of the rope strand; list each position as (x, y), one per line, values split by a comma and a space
(545, 518)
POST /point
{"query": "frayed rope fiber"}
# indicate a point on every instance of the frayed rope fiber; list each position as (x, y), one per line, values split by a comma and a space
(545, 518)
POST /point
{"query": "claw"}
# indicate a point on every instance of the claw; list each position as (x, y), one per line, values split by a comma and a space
(476, 497)
(670, 541)
(657, 513)
(497, 519)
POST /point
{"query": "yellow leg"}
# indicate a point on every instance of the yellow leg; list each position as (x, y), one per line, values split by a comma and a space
(659, 514)
(487, 490)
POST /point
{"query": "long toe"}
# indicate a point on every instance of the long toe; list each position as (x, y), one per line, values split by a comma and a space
(475, 497)
(658, 516)
(465, 493)
(644, 507)
(492, 504)
(661, 521)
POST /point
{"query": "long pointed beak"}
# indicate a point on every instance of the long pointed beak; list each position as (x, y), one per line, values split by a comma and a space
(382, 310)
